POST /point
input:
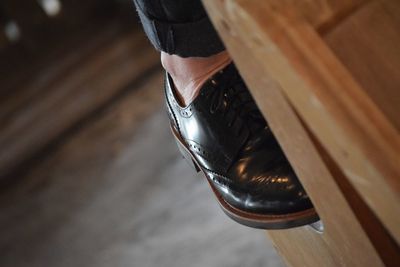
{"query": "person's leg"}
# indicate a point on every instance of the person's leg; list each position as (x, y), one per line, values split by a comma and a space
(191, 51)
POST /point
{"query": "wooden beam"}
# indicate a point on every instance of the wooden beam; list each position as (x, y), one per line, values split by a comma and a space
(342, 116)
(349, 238)
(367, 43)
(321, 14)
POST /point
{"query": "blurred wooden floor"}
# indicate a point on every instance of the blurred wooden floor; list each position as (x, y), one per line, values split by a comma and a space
(115, 192)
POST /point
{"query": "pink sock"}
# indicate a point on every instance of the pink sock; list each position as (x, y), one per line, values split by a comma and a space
(189, 74)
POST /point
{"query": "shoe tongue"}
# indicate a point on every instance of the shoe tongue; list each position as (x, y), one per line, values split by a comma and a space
(228, 146)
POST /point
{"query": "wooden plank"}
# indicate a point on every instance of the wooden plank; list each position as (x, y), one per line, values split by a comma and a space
(321, 14)
(342, 116)
(301, 246)
(71, 94)
(367, 43)
(338, 245)
(23, 86)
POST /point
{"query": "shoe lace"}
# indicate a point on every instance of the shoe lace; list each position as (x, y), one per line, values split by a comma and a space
(232, 95)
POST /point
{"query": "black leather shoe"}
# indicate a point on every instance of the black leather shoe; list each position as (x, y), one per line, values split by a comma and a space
(223, 134)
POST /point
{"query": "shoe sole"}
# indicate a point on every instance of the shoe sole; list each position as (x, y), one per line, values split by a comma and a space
(254, 220)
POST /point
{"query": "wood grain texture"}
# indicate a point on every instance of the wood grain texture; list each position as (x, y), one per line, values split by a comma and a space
(33, 82)
(338, 111)
(68, 92)
(367, 43)
(321, 14)
(242, 25)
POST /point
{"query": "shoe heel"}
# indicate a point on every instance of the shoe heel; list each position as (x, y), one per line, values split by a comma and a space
(186, 155)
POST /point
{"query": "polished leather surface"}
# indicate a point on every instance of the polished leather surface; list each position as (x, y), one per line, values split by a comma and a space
(234, 146)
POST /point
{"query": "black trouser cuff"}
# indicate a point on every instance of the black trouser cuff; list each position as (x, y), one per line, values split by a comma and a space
(191, 39)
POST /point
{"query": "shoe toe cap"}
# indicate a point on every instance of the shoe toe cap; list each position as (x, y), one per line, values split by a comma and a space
(273, 191)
